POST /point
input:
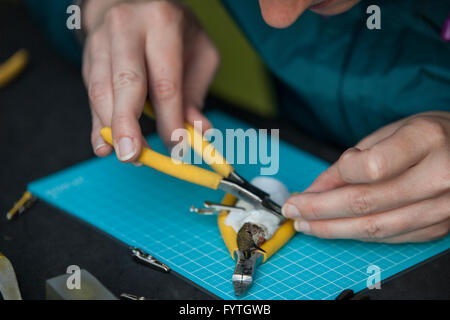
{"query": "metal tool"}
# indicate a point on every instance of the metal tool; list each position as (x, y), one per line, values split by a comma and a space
(244, 190)
(212, 208)
(147, 259)
(244, 270)
(129, 296)
(225, 178)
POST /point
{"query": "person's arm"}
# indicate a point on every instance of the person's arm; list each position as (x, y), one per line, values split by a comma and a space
(52, 16)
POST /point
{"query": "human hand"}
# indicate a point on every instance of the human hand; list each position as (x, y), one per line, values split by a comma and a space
(139, 48)
(394, 186)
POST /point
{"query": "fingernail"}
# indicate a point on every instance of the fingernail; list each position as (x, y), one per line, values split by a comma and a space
(302, 226)
(290, 211)
(137, 164)
(349, 152)
(99, 143)
(126, 149)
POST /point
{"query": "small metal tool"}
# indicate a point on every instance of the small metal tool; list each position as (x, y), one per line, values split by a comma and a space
(244, 272)
(212, 208)
(242, 189)
(147, 259)
(129, 296)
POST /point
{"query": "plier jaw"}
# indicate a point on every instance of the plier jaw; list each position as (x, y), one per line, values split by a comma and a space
(243, 275)
(244, 190)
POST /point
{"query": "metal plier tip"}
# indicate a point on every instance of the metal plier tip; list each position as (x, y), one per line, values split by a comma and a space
(242, 189)
(243, 275)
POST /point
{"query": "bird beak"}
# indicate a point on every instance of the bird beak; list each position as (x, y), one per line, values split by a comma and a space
(260, 249)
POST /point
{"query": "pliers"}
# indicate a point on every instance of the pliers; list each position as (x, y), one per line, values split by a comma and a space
(224, 178)
(244, 272)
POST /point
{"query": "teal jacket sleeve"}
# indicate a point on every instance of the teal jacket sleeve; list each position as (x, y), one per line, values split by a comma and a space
(52, 16)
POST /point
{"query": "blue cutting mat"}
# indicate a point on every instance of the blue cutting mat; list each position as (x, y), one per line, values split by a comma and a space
(150, 210)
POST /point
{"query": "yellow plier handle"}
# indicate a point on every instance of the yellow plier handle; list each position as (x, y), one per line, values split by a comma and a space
(172, 167)
(202, 146)
(13, 66)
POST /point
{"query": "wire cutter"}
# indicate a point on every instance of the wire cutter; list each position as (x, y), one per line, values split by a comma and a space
(224, 178)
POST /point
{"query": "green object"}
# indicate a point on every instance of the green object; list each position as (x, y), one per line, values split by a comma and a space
(341, 81)
(242, 77)
(89, 288)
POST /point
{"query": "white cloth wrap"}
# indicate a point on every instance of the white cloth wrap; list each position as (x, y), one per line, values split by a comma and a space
(278, 193)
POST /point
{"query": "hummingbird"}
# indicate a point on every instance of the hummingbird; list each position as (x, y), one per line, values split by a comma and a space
(249, 238)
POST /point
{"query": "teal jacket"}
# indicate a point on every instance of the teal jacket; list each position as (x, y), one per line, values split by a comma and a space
(52, 16)
(336, 78)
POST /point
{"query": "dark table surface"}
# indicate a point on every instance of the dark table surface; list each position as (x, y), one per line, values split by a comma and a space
(45, 127)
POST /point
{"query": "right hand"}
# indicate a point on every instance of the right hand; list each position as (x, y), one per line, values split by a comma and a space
(139, 48)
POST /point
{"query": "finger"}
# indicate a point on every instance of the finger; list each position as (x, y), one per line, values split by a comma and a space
(202, 61)
(99, 84)
(331, 179)
(381, 225)
(386, 159)
(431, 233)
(194, 116)
(130, 88)
(86, 65)
(327, 180)
(362, 199)
(97, 76)
(100, 147)
(164, 51)
(379, 135)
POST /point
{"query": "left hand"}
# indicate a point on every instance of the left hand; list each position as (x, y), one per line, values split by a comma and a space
(393, 186)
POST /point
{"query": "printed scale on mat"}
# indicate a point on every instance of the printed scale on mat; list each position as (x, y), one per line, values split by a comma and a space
(150, 210)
